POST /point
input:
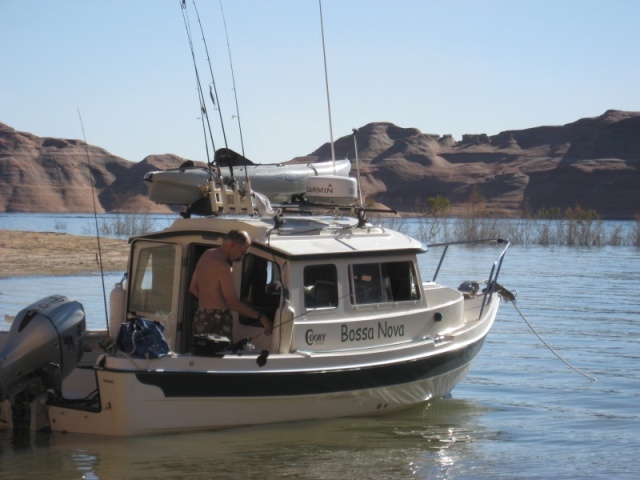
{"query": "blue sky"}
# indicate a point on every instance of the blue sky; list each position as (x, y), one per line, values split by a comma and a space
(442, 66)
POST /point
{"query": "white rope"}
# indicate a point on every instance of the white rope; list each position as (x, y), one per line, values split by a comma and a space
(549, 346)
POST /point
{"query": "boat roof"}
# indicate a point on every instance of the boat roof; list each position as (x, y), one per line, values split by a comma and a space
(301, 236)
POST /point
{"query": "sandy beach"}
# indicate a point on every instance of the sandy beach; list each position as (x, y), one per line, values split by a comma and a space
(37, 253)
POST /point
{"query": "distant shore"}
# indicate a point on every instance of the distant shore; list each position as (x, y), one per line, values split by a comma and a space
(48, 253)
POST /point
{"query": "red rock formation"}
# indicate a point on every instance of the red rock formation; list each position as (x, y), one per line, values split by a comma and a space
(593, 162)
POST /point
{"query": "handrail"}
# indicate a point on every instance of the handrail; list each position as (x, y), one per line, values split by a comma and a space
(493, 281)
(495, 269)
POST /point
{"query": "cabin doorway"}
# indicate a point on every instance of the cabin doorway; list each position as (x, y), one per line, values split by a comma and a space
(260, 288)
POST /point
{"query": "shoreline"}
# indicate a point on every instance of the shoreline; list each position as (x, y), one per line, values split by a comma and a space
(48, 253)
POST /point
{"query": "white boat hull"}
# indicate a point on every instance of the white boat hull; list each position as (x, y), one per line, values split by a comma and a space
(158, 414)
(188, 393)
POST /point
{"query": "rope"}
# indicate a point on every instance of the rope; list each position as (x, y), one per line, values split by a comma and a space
(549, 346)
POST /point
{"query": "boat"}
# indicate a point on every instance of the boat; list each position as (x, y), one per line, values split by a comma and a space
(187, 185)
(357, 328)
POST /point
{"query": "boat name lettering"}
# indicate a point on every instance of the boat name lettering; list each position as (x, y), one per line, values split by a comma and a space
(356, 334)
(389, 331)
(314, 338)
(369, 333)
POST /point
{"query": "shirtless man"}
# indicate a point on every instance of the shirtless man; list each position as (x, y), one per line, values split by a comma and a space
(212, 285)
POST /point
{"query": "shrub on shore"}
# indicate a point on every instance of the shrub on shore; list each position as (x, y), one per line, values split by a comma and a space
(571, 227)
(123, 225)
(126, 224)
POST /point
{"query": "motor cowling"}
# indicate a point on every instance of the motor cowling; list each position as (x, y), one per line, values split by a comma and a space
(45, 343)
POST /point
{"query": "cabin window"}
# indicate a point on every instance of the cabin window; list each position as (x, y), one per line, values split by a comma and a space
(261, 287)
(382, 283)
(153, 278)
(320, 286)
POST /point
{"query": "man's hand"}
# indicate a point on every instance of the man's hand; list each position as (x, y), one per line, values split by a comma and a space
(266, 323)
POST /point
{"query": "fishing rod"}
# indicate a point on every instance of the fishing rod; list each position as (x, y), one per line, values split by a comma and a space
(264, 354)
(261, 360)
(213, 91)
(233, 79)
(204, 116)
(377, 288)
(95, 217)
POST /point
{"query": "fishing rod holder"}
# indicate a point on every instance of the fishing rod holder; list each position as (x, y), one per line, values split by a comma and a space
(229, 198)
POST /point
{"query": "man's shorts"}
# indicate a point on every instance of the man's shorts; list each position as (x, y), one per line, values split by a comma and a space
(211, 320)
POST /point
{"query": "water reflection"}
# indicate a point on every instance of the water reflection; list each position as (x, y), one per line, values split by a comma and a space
(429, 441)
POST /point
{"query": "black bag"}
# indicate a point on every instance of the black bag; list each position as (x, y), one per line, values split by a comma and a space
(142, 338)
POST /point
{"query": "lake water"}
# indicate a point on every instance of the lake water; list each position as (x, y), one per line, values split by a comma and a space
(521, 412)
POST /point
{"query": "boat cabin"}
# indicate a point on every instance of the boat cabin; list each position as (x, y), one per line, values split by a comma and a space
(326, 284)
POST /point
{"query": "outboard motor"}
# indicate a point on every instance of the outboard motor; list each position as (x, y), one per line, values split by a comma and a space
(44, 345)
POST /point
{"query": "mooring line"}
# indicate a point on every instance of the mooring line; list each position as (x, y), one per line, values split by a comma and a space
(507, 296)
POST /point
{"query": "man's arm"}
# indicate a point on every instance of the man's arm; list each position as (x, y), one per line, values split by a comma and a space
(231, 297)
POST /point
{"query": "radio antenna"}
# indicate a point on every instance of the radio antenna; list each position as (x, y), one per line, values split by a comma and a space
(326, 81)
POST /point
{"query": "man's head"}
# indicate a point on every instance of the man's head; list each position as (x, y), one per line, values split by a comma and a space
(236, 243)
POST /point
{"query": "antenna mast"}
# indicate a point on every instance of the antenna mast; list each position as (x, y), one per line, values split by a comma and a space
(326, 81)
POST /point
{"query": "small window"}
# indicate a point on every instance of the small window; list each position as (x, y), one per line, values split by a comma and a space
(320, 287)
(382, 282)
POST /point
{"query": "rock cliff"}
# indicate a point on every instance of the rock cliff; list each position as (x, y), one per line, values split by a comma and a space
(593, 163)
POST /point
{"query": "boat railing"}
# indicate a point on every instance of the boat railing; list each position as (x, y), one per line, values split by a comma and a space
(492, 281)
